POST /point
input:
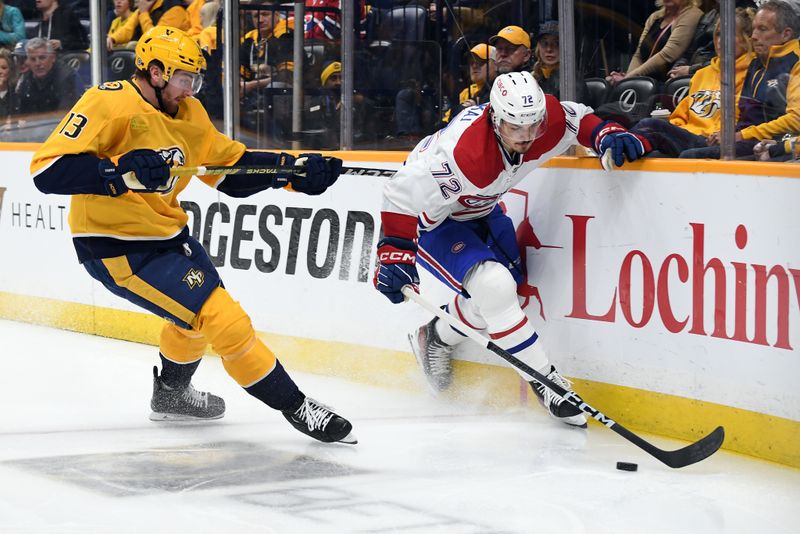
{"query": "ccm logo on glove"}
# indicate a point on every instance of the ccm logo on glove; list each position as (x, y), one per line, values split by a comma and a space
(397, 256)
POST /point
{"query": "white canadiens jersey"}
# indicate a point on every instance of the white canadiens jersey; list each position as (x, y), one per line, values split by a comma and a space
(462, 171)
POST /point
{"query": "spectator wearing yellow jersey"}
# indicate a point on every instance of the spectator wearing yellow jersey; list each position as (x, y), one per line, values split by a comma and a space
(150, 13)
(193, 8)
(697, 116)
(207, 38)
(123, 9)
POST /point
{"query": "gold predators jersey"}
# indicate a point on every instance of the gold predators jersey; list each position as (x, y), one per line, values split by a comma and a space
(113, 119)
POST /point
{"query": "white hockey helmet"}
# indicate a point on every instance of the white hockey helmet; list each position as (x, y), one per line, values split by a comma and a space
(516, 98)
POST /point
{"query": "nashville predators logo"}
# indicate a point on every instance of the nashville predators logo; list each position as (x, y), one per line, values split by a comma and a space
(173, 155)
(194, 278)
(705, 104)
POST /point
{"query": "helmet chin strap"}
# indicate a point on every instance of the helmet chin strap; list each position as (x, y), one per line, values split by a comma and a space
(157, 91)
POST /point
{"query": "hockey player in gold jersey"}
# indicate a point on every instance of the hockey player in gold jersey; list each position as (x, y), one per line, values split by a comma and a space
(113, 152)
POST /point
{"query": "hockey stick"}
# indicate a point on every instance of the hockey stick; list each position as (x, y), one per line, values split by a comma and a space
(693, 453)
(269, 169)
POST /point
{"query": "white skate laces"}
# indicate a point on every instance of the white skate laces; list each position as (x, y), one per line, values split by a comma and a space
(198, 399)
(438, 353)
(315, 414)
(551, 397)
(554, 403)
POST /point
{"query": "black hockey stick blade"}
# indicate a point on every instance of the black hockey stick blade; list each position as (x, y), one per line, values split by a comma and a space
(688, 455)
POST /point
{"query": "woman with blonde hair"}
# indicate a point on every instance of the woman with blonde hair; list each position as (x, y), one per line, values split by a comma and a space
(666, 35)
(697, 116)
(9, 101)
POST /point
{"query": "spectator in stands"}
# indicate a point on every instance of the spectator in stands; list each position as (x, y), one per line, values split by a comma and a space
(326, 23)
(61, 26)
(259, 55)
(150, 13)
(123, 9)
(547, 58)
(771, 150)
(323, 111)
(207, 38)
(697, 116)
(9, 100)
(48, 85)
(12, 26)
(413, 112)
(193, 8)
(769, 105)
(700, 52)
(513, 45)
(666, 36)
(20, 59)
(482, 72)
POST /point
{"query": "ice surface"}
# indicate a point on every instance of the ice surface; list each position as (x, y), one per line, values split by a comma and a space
(78, 454)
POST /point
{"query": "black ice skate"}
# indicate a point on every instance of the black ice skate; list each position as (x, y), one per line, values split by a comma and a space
(183, 404)
(555, 405)
(320, 422)
(433, 356)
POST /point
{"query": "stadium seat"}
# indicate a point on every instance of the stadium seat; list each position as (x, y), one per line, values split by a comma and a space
(633, 98)
(404, 23)
(74, 60)
(596, 91)
(121, 64)
(676, 90)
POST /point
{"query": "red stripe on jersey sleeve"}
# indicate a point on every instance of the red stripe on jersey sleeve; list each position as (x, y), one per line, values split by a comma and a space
(588, 124)
(399, 225)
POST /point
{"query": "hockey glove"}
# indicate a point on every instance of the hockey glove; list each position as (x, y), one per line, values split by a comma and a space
(397, 267)
(314, 174)
(141, 170)
(282, 179)
(613, 143)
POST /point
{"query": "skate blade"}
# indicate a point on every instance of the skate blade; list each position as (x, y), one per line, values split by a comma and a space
(350, 439)
(578, 421)
(576, 424)
(433, 388)
(171, 417)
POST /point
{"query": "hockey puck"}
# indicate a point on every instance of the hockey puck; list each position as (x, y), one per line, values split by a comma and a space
(625, 466)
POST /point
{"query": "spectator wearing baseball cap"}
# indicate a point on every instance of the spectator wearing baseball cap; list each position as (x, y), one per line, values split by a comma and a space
(546, 55)
(513, 46)
(482, 72)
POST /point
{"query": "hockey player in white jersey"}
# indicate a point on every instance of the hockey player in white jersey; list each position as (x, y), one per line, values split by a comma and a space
(441, 208)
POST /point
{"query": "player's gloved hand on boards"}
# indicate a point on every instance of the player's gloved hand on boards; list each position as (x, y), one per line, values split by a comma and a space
(397, 267)
(314, 174)
(142, 170)
(613, 143)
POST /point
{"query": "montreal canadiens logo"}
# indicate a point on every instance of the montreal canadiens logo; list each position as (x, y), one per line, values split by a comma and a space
(458, 247)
